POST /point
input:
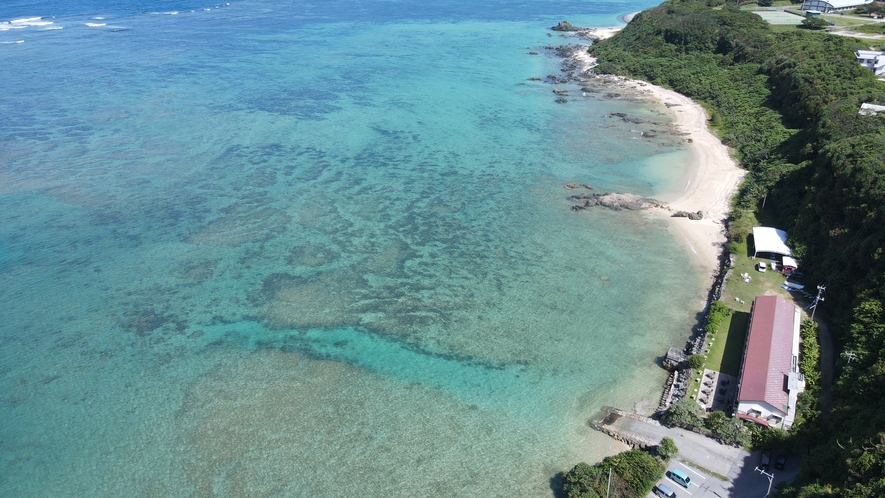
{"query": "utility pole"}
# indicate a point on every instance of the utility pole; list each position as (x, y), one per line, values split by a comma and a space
(609, 487)
(820, 290)
(769, 476)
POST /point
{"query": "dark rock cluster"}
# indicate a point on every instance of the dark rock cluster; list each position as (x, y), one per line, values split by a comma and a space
(687, 214)
(616, 201)
(567, 26)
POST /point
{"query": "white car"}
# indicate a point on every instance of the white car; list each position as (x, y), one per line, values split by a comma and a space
(761, 267)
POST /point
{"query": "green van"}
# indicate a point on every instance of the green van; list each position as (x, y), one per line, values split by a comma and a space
(680, 477)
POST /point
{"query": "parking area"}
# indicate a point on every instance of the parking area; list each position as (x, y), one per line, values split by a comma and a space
(695, 489)
(744, 479)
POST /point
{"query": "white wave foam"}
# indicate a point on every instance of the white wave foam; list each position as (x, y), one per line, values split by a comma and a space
(11, 42)
(25, 20)
(96, 24)
(52, 28)
(24, 23)
(98, 18)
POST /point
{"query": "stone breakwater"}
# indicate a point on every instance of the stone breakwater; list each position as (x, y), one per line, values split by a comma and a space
(606, 425)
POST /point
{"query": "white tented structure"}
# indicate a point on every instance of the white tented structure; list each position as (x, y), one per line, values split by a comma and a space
(833, 5)
(770, 240)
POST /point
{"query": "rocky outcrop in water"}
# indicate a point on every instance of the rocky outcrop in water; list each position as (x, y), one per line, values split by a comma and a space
(567, 26)
(616, 201)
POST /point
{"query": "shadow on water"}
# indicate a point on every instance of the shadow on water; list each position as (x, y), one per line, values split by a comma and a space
(556, 486)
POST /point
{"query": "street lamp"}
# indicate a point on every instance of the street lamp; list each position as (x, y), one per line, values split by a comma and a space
(769, 476)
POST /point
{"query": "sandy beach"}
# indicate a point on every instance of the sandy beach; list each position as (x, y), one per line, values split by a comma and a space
(712, 181)
(713, 176)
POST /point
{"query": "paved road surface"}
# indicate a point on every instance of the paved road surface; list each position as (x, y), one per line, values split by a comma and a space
(734, 463)
(693, 447)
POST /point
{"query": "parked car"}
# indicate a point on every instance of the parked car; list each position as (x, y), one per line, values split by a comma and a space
(664, 491)
(761, 267)
(680, 478)
(766, 460)
(780, 462)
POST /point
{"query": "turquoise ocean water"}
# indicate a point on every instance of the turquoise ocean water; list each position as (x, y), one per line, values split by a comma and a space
(274, 248)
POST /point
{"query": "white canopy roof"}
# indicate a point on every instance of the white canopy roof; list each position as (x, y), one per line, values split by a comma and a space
(767, 239)
(788, 261)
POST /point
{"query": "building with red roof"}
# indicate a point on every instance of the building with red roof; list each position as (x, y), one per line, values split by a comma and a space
(770, 380)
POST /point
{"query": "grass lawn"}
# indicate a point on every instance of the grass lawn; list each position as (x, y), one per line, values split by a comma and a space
(728, 349)
(842, 21)
(760, 284)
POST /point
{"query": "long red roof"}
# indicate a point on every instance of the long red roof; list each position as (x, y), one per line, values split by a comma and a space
(769, 352)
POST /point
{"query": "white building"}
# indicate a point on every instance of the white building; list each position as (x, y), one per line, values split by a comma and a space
(833, 5)
(871, 109)
(872, 60)
(770, 381)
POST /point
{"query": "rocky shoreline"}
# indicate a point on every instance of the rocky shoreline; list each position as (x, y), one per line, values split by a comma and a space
(577, 70)
(618, 201)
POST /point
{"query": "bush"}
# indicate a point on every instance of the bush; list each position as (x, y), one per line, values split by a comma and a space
(771, 439)
(667, 449)
(809, 353)
(633, 473)
(695, 362)
(732, 431)
(815, 23)
(719, 312)
(684, 412)
(715, 420)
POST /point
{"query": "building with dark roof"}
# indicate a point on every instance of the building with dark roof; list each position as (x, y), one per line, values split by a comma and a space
(770, 380)
(833, 5)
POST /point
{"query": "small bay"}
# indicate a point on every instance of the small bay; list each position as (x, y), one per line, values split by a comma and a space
(264, 248)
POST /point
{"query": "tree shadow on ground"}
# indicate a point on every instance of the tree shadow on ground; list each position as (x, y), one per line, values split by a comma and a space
(734, 344)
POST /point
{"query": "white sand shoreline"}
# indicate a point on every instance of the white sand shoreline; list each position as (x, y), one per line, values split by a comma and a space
(712, 179)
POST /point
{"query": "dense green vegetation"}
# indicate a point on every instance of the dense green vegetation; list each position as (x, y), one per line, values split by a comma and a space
(633, 473)
(719, 313)
(809, 354)
(787, 103)
(685, 412)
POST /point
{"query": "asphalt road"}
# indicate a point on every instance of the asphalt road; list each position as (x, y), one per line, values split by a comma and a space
(697, 451)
